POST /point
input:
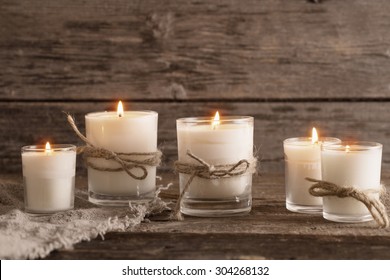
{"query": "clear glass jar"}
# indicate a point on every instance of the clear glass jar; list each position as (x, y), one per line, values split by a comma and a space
(352, 164)
(133, 132)
(303, 159)
(222, 142)
(49, 178)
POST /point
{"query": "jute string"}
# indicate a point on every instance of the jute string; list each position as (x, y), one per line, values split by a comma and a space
(129, 162)
(375, 206)
(204, 170)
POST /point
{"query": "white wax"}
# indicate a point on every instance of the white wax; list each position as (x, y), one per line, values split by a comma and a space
(49, 180)
(357, 168)
(135, 131)
(226, 144)
(302, 160)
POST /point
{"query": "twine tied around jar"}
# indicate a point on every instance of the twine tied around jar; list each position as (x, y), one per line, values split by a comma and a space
(374, 205)
(204, 170)
(128, 161)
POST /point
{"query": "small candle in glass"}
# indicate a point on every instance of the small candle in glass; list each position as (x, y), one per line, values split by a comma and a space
(49, 178)
(351, 164)
(303, 159)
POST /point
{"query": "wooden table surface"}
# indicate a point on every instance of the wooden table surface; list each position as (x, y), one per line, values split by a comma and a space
(268, 232)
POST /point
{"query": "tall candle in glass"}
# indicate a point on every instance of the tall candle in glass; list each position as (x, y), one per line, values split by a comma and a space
(217, 142)
(303, 159)
(121, 132)
(352, 164)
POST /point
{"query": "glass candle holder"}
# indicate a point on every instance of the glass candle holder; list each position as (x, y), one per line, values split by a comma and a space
(224, 142)
(303, 159)
(49, 178)
(132, 132)
(353, 164)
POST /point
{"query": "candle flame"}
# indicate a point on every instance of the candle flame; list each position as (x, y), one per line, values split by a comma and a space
(347, 148)
(314, 136)
(48, 148)
(216, 121)
(120, 109)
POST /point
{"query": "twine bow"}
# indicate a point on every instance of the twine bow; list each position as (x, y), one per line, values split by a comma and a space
(128, 161)
(207, 171)
(375, 206)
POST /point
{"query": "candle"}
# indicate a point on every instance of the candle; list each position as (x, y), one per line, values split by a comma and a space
(121, 132)
(217, 142)
(303, 159)
(49, 177)
(357, 165)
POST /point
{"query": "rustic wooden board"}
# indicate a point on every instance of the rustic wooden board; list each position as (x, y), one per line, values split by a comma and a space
(194, 50)
(227, 246)
(268, 232)
(33, 123)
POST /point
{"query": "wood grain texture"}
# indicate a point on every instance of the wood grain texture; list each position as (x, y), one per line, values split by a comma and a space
(28, 123)
(194, 50)
(242, 246)
(268, 232)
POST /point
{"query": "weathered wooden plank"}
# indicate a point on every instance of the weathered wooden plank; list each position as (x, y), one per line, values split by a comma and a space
(188, 50)
(226, 246)
(32, 123)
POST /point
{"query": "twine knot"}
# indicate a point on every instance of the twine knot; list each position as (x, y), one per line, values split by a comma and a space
(208, 171)
(129, 162)
(204, 170)
(375, 206)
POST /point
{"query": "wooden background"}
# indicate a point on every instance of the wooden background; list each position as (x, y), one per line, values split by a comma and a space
(290, 64)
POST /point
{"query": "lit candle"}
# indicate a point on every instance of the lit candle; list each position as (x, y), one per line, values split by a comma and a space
(49, 177)
(303, 159)
(357, 165)
(121, 132)
(217, 141)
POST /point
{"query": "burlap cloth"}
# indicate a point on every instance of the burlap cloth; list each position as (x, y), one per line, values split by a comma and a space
(23, 236)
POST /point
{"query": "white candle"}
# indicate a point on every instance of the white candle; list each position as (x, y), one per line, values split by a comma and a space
(217, 142)
(355, 165)
(303, 159)
(49, 177)
(125, 132)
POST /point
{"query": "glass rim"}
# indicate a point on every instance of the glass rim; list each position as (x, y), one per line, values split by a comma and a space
(298, 141)
(196, 120)
(362, 146)
(54, 147)
(109, 113)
